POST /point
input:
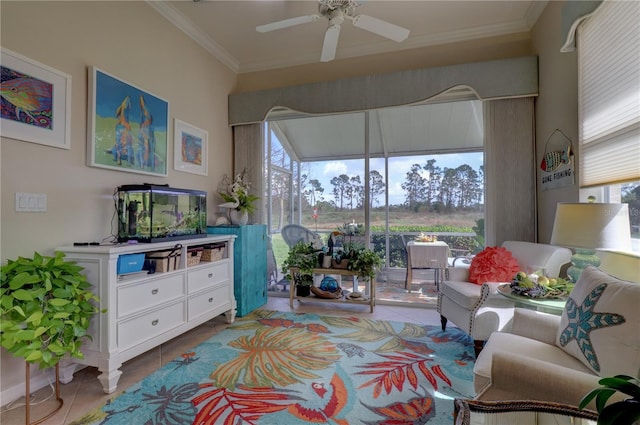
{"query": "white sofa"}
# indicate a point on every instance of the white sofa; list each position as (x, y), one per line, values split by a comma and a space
(478, 309)
(536, 361)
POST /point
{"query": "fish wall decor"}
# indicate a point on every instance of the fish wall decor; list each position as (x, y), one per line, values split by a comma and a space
(552, 160)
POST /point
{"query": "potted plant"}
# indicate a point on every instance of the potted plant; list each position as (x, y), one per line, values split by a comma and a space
(364, 261)
(625, 412)
(304, 257)
(237, 198)
(45, 306)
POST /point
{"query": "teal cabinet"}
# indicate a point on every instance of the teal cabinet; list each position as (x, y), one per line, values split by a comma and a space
(249, 266)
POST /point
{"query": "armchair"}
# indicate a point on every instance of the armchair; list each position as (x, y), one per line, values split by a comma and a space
(478, 309)
(545, 358)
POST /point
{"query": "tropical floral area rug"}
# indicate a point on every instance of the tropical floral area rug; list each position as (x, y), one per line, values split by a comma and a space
(287, 368)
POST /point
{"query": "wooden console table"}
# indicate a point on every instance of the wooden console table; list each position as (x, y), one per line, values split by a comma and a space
(370, 288)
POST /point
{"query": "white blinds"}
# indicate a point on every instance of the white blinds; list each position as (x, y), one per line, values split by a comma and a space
(609, 94)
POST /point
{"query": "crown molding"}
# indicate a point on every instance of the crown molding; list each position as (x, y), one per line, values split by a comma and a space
(189, 28)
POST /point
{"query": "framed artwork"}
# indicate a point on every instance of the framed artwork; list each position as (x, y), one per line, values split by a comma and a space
(35, 101)
(127, 126)
(190, 148)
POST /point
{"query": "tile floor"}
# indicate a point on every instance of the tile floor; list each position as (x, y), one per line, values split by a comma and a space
(84, 392)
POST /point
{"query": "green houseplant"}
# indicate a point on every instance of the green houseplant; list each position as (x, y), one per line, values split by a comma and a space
(625, 412)
(45, 305)
(365, 262)
(304, 257)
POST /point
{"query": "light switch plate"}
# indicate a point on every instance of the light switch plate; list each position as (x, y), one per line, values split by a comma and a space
(31, 202)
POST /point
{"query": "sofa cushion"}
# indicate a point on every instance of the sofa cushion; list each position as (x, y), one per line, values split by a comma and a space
(465, 294)
(599, 325)
(493, 264)
(522, 346)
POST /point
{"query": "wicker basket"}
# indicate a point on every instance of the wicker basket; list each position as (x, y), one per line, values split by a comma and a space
(343, 264)
(212, 253)
(165, 261)
(193, 256)
(326, 294)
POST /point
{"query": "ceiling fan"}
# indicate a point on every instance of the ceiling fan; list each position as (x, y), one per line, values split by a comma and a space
(336, 11)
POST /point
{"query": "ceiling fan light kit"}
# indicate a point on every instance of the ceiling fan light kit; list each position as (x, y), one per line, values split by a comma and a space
(335, 11)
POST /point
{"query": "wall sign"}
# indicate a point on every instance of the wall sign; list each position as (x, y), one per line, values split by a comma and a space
(557, 165)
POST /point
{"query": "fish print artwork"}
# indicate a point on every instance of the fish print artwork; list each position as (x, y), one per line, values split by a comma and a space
(552, 160)
(26, 99)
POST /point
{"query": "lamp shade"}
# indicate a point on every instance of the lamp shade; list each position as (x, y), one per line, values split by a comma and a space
(592, 226)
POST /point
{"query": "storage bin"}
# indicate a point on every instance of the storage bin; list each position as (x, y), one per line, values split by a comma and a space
(213, 252)
(193, 256)
(166, 261)
(130, 263)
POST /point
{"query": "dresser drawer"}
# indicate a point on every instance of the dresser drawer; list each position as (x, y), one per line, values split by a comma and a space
(205, 277)
(207, 301)
(142, 328)
(141, 296)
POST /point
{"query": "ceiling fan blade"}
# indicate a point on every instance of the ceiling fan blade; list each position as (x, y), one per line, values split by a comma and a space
(287, 23)
(330, 43)
(380, 27)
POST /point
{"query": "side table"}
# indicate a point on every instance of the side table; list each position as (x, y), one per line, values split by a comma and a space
(426, 255)
(546, 305)
(370, 288)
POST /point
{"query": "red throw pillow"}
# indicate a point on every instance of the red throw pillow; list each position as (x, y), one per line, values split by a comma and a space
(493, 264)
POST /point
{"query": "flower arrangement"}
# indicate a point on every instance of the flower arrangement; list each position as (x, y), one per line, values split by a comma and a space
(236, 193)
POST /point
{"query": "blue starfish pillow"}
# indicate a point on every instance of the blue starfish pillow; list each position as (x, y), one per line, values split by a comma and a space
(600, 325)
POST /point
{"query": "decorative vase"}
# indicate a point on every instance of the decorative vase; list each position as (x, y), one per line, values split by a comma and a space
(239, 217)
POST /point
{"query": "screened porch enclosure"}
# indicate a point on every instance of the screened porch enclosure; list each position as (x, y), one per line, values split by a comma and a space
(425, 176)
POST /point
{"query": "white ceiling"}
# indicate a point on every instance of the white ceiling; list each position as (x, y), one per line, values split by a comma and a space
(227, 28)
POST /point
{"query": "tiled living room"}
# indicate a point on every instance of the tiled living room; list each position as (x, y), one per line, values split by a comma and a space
(219, 82)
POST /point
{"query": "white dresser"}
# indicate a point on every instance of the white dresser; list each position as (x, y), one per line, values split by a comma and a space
(145, 310)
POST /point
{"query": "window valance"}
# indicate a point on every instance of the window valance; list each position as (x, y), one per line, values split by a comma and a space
(505, 78)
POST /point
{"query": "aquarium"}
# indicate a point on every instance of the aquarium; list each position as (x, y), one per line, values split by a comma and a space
(155, 213)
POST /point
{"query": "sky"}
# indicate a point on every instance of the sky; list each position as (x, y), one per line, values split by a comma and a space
(398, 167)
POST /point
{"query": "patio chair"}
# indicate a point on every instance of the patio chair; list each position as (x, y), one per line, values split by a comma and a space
(294, 233)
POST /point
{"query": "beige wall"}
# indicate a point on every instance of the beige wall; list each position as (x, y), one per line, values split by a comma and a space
(556, 107)
(133, 42)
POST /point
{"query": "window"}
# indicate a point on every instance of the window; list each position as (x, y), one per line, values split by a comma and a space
(609, 107)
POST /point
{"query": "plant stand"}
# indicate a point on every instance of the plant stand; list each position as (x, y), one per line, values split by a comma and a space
(27, 405)
(370, 290)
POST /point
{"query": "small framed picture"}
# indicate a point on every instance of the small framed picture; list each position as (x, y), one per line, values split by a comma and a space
(190, 148)
(35, 105)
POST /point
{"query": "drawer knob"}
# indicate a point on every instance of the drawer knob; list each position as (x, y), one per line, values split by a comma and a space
(154, 292)
(210, 300)
(210, 275)
(155, 322)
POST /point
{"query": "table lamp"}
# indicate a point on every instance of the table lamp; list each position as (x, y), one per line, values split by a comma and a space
(586, 227)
